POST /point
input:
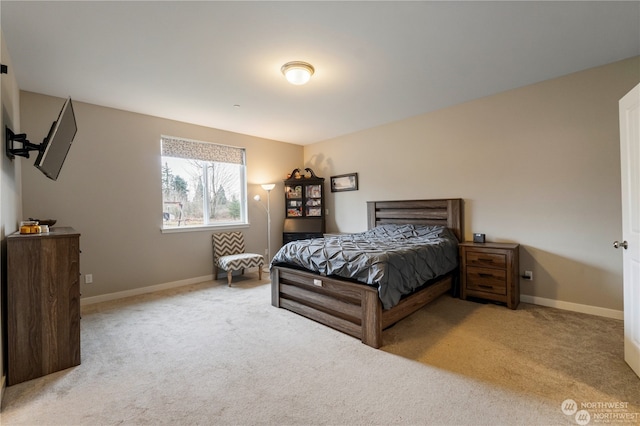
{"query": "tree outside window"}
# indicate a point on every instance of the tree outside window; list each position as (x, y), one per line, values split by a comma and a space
(203, 184)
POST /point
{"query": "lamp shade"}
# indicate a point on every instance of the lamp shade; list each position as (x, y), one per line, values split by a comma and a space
(297, 72)
(268, 186)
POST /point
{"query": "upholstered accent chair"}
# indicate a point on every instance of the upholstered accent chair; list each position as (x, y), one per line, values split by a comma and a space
(229, 255)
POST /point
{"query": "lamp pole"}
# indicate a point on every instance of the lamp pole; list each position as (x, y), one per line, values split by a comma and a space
(268, 187)
(268, 226)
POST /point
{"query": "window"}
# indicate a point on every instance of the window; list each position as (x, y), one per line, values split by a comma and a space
(203, 184)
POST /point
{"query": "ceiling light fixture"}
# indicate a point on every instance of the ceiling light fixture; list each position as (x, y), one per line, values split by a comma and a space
(297, 72)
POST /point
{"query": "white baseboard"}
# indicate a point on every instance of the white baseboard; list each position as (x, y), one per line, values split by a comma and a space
(575, 307)
(143, 290)
(535, 300)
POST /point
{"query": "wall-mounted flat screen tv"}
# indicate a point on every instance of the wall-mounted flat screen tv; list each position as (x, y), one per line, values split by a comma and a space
(54, 149)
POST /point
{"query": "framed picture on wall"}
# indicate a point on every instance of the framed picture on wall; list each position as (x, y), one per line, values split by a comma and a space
(347, 182)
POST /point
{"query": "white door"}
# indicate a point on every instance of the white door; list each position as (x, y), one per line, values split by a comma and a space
(630, 244)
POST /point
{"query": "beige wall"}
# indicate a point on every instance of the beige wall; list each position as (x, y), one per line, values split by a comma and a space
(10, 206)
(538, 165)
(110, 191)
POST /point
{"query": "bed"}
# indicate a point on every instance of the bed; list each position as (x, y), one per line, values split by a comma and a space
(355, 308)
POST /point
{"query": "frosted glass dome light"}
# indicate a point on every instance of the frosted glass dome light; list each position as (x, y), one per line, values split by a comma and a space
(297, 72)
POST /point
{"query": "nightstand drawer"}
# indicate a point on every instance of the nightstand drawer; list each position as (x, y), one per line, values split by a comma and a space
(487, 280)
(487, 260)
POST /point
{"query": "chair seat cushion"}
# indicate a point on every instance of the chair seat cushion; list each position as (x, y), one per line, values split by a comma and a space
(235, 262)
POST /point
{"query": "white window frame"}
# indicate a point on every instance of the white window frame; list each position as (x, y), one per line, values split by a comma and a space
(208, 152)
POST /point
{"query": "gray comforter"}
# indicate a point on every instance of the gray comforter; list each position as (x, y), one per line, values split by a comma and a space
(395, 258)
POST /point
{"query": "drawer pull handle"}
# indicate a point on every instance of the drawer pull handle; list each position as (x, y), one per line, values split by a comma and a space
(485, 275)
(484, 259)
(484, 286)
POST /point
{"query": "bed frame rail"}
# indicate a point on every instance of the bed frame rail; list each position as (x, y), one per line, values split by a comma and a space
(351, 308)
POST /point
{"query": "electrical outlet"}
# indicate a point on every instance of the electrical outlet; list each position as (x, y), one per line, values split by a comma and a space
(528, 275)
(88, 278)
(266, 252)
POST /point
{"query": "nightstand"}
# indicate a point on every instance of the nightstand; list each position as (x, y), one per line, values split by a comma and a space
(490, 271)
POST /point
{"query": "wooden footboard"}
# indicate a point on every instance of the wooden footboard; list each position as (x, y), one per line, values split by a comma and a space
(352, 308)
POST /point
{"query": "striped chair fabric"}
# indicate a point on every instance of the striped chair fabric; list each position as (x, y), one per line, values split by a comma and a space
(229, 255)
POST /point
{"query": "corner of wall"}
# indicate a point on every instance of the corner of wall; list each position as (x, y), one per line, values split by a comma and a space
(10, 184)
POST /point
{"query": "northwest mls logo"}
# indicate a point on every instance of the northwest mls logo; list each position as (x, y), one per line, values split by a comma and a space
(570, 408)
(599, 412)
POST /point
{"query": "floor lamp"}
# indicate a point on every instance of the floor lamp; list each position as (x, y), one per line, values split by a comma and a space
(267, 187)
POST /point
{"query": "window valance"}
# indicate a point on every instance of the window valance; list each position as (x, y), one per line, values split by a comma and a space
(205, 151)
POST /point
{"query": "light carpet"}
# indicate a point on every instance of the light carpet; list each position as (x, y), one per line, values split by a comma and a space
(209, 354)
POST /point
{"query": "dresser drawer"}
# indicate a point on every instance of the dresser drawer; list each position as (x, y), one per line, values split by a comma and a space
(487, 280)
(485, 259)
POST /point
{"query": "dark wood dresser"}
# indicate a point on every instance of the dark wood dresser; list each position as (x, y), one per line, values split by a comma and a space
(490, 271)
(42, 303)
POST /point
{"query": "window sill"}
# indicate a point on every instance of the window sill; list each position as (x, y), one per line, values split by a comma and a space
(204, 228)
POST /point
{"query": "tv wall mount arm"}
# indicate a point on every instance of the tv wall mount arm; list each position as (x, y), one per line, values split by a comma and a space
(10, 140)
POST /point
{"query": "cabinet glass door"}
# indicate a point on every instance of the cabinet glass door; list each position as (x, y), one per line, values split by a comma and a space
(294, 200)
(313, 201)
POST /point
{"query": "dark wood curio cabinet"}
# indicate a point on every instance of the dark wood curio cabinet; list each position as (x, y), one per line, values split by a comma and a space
(304, 206)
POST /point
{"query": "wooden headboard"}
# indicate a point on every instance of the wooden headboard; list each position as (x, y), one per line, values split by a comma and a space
(447, 212)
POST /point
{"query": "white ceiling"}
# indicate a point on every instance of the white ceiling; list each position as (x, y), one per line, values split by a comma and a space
(376, 62)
